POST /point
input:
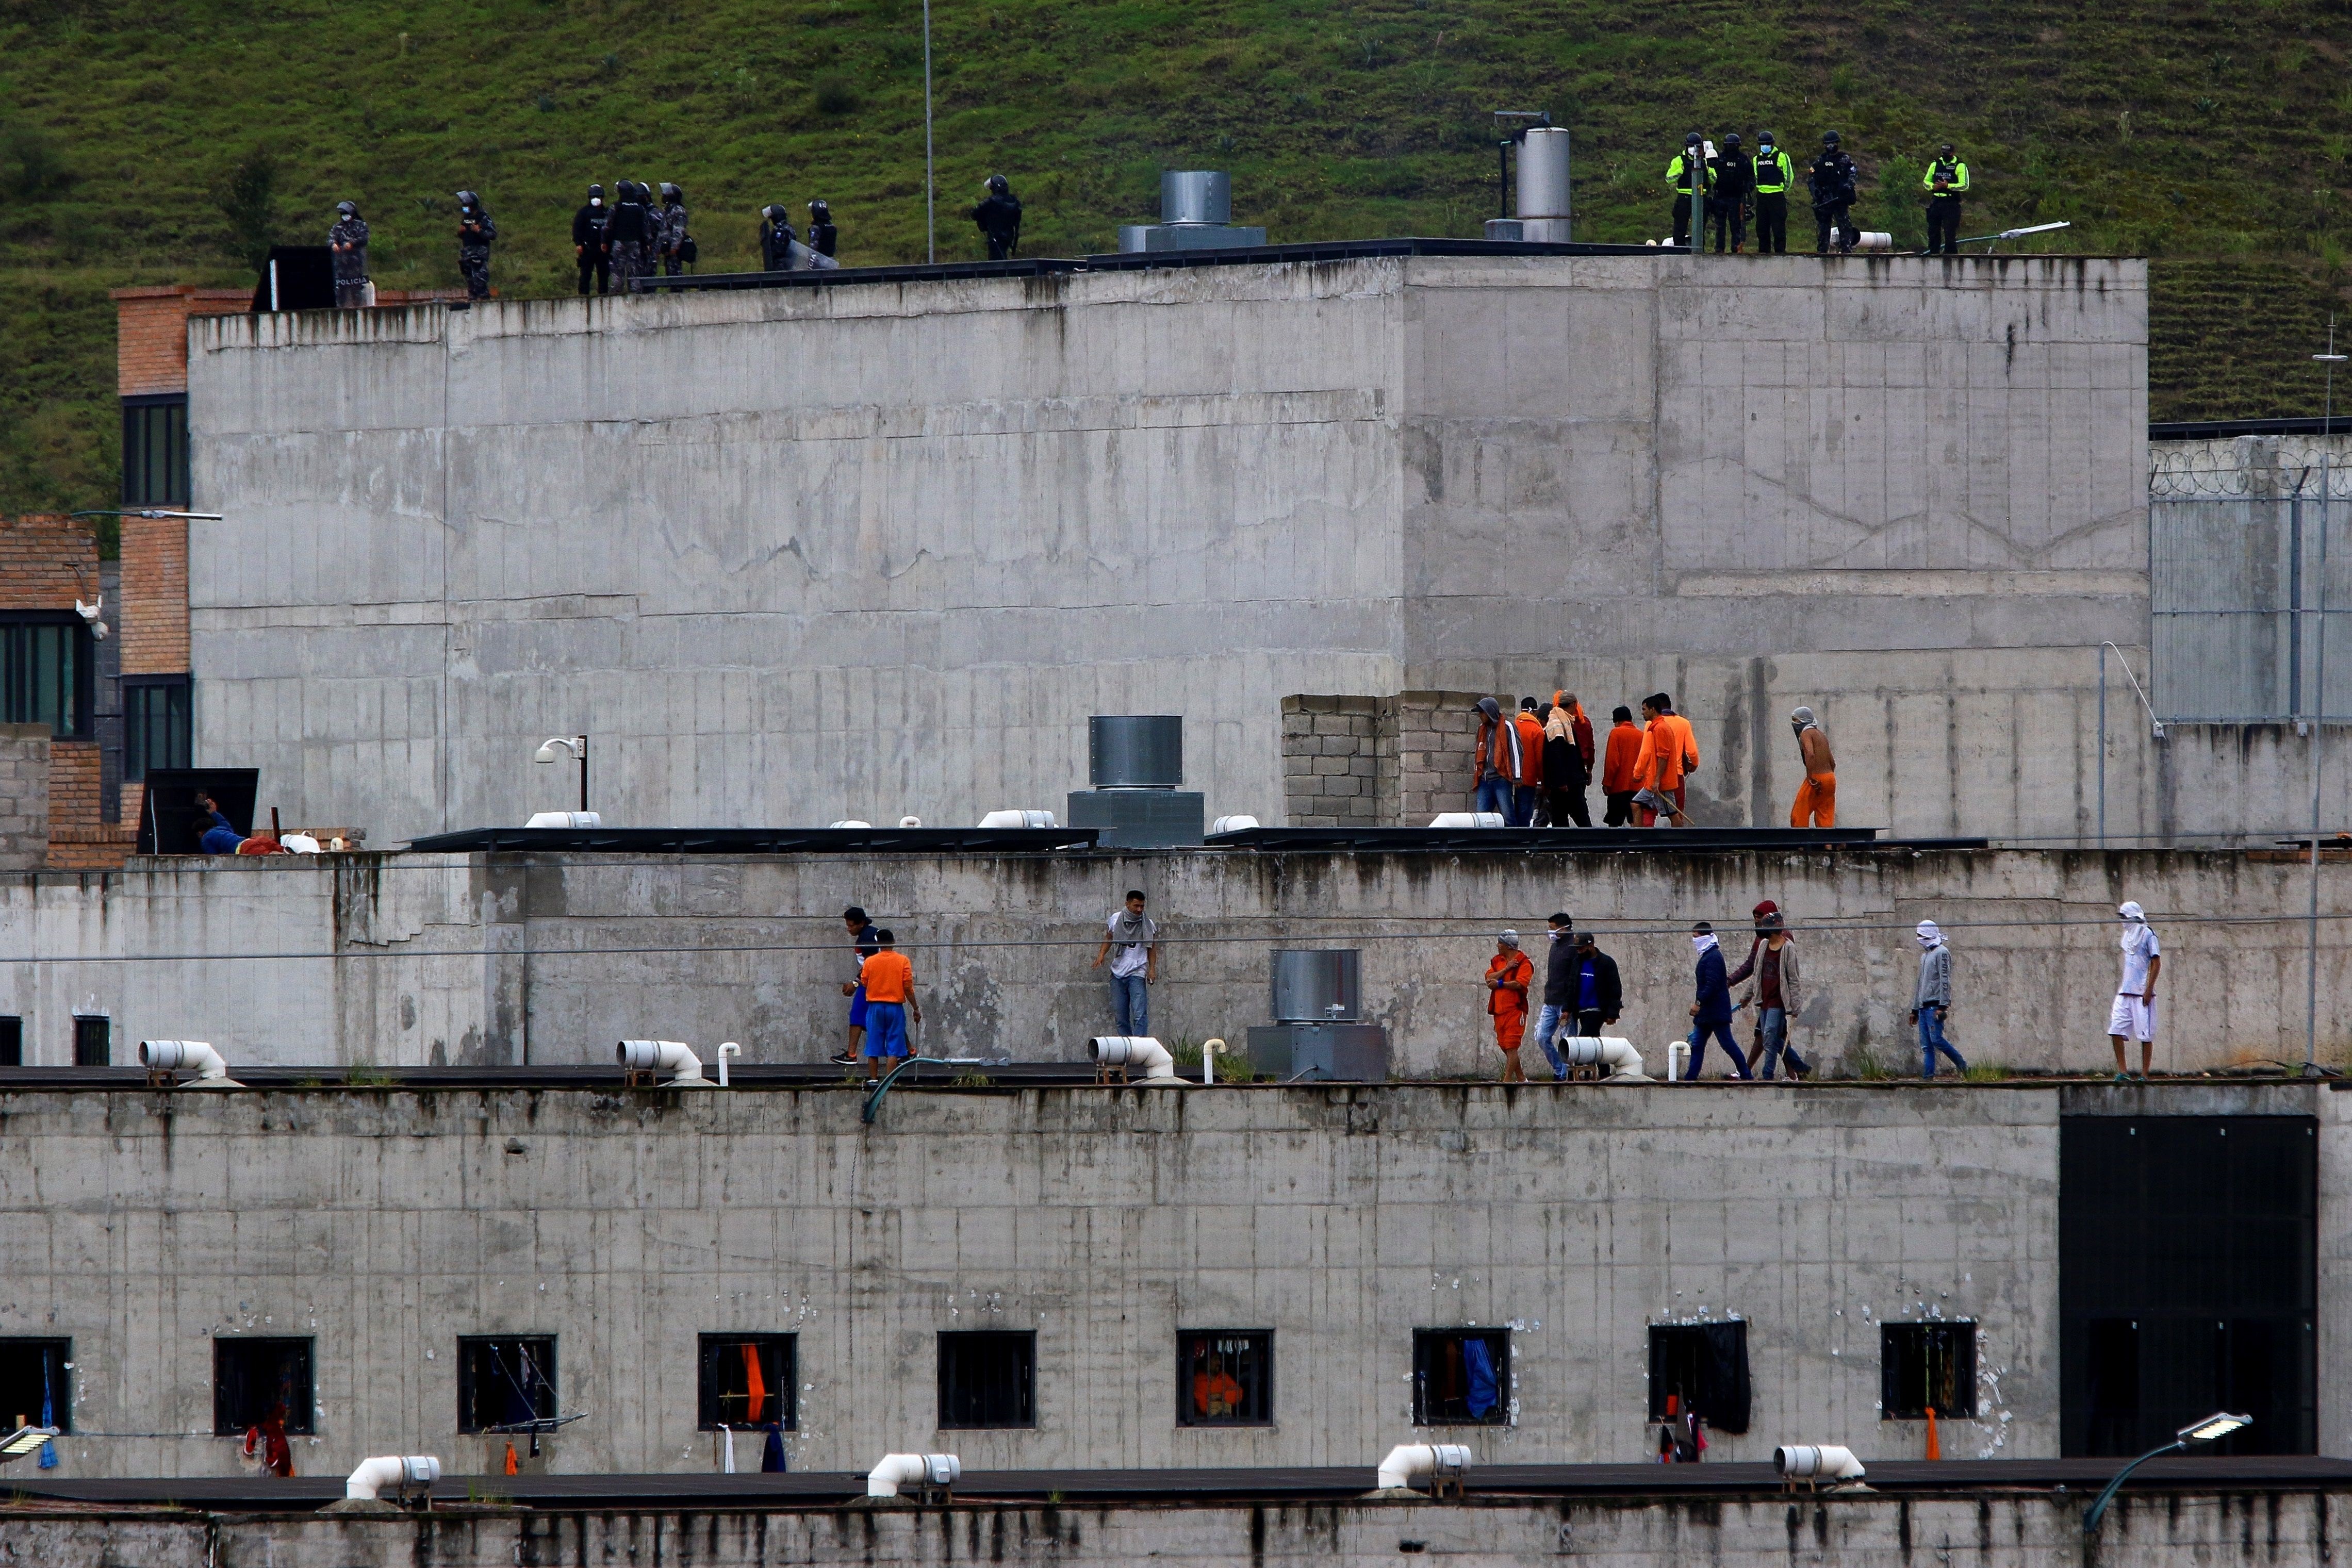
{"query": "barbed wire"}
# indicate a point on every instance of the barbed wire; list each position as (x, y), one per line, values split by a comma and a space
(2188, 475)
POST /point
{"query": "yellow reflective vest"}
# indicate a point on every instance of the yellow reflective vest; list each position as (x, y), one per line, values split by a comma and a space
(1775, 175)
(1953, 171)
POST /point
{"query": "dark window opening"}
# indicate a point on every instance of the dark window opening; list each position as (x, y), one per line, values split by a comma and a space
(35, 1386)
(12, 1042)
(156, 451)
(1461, 1377)
(505, 1380)
(256, 1379)
(747, 1380)
(988, 1379)
(47, 673)
(2188, 1280)
(155, 728)
(93, 1042)
(1926, 1366)
(1224, 1377)
(1700, 1369)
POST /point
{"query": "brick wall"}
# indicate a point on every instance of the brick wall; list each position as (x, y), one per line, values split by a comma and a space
(1337, 762)
(152, 620)
(39, 556)
(79, 839)
(23, 797)
(151, 349)
(1437, 732)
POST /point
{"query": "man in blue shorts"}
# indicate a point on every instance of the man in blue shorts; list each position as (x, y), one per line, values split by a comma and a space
(863, 931)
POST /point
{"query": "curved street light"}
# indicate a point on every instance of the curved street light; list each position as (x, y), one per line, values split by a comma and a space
(562, 745)
(2221, 1424)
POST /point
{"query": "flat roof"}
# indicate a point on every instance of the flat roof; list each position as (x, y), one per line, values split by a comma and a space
(830, 1489)
(1051, 840)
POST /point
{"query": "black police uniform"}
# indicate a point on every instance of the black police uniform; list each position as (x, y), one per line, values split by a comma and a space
(999, 217)
(588, 231)
(1832, 180)
(1733, 178)
(475, 233)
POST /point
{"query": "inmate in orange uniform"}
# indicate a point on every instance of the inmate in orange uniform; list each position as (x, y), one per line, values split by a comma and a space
(1509, 975)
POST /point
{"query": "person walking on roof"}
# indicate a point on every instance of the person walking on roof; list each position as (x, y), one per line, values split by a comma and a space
(1526, 782)
(1508, 975)
(1567, 761)
(823, 236)
(1945, 183)
(1776, 987)
(999, 217)
(1496, 763)
(1135, 967)
(1711, 1011)
(1931, 1004)
(1774, 175)
(1620, 776)
(1816, 805)
(776, 237)
(889, 982)
(1669, 751)
(868, 938)
(2133, 1017)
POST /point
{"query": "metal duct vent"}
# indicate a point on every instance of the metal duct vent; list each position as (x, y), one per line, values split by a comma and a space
(1196, 196)
(1317, 987)
(1135, 751)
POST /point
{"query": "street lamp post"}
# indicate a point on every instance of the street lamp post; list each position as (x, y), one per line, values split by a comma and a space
(574, 746)
(930, 181)
(2319, 711)
(2221, 1424)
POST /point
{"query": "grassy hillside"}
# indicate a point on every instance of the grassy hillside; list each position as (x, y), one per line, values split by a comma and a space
(142, 143)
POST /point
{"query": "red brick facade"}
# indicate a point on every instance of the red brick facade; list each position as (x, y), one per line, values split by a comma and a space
(151, 351)
(78, 840)
(48, 562)
(154, 616)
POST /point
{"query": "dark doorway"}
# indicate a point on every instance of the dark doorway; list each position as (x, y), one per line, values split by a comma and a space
(2188, 1280)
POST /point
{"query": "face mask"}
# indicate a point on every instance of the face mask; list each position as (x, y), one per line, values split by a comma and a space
(595, 200)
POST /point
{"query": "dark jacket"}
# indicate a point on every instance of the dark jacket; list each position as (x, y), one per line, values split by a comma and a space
(1714, 996)
(1734, 177)
(1564, 981)
(1833, 178)
(631, 224)
(588, 226)
(999, 217)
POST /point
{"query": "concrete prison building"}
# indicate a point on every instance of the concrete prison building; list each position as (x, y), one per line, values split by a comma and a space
(791, 555)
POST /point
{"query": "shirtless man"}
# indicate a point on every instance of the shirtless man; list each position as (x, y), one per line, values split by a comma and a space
(1816, 804)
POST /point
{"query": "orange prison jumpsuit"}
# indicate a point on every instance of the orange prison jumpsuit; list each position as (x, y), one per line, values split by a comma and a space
(1816, 802)
(1509, 1008)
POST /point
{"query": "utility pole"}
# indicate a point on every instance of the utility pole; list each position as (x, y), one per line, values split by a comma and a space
(2319, 707)
(930, 181)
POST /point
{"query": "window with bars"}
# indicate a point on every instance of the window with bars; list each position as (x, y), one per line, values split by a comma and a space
(747, 1380)
(1224, 1377)
(156, 724)
(1700, 1369)
(1926, 1366)
(93, 1042)
(988, 1379)
(1461, 1377)
(505, 1380)
(156, 451)
(255, 1379)
(47, 672)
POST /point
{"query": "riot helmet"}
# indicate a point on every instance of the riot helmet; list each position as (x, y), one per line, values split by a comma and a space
(1828, 140)
(999, 186)
(348, 209)
(1731, 142)
(595, 195)
(671, 193)
(467, 199)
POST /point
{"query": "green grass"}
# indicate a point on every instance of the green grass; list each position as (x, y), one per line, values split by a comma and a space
(2209, 136)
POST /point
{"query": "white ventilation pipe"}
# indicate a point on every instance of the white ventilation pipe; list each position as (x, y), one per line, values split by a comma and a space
(849, 823)
(725, 1050)
(671, 1056)
(1874, 240)
(189, 1055)
(1234, 824)
(910, 822)
(1677, 1061)
(1133, 1052)
(564, 819)
(1019, 820)
(1467, 819)
(391, 1470)
(898, 1471)
(1816, 1461)
(1607, 1050)
(1210, 1050)
(1438, 1461)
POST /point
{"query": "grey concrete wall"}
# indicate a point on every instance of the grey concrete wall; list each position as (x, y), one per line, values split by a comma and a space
(2189, 1529)
(877, 549)
(23, 797)
(447, 958)
(387, 1223)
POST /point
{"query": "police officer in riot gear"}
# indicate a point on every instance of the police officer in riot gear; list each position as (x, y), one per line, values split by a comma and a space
(630, 235)
(1946, 182)
(1686, 168)
(675, 244)
(590, 245)
(999, 217)
(347, 246)
(1832, 179)
(475, 233)
(1731, 179)
(822, 236)
(776, 237)
(1774, 175)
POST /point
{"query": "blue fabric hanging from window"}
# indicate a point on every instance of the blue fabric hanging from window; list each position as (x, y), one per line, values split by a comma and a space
(49, 1416)
(1479, 1363)
(771, 1455)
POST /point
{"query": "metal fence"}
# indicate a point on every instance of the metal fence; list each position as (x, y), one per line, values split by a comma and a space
(2236, 595)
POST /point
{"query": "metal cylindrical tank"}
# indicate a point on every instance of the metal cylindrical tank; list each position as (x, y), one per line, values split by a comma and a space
(1318, 986)
(1135, 751)
(1543, 172)
(1196, 196)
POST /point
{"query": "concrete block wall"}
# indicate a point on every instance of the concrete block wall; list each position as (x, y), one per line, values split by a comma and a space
(1338, 762)
(548, 959)
(23, 797)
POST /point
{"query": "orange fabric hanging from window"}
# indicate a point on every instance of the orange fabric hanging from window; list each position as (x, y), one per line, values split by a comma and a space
(512, 1467)
(755, 1399)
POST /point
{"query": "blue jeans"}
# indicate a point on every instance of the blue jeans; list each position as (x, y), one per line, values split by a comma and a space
(1494, 795)
(1772, 1044)
(1548, 1024)
(1131, 1004)
(1722, 1034)
(1931, 1040)
(886, 1028)
(1523, 807)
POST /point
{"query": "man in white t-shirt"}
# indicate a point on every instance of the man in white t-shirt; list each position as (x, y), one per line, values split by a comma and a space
(2134, 1015)
(1132, 946)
